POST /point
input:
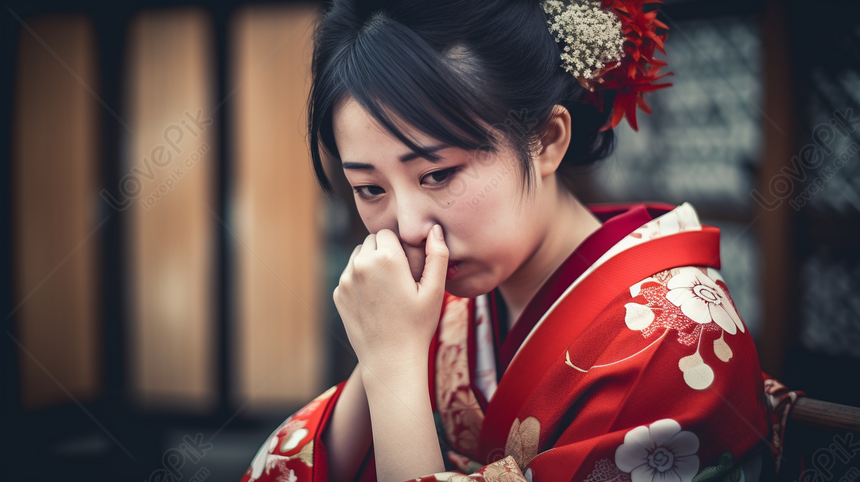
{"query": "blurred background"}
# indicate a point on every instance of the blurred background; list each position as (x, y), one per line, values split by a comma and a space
(167, 260)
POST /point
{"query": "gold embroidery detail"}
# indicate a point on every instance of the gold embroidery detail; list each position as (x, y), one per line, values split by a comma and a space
(306, 454)
(523, 440)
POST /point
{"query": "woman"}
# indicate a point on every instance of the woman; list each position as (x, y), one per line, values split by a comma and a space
(527, 336)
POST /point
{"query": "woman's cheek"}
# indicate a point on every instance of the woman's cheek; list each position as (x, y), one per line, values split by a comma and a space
(371, 216)
(479, 196)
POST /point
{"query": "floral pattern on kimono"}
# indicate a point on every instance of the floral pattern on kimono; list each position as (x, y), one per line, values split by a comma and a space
(689, 301)
(673, 312)
(458, 408)
(287, 455)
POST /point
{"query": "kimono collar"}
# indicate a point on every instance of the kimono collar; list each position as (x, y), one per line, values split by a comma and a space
(618, 220)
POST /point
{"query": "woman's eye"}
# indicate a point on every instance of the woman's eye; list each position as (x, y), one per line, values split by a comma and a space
(365, 194)
(440, 176)
(437, 178)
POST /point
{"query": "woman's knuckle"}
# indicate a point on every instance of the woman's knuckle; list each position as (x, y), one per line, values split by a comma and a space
(359, 268)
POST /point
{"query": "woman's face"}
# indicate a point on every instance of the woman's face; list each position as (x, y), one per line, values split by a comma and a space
(475, 196)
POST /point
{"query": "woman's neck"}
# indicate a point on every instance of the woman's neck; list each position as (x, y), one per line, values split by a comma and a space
(569, 223)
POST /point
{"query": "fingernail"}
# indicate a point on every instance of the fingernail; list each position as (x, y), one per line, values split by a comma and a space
(437, 231)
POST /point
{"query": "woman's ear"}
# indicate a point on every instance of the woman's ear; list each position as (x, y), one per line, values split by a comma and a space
(554, 143)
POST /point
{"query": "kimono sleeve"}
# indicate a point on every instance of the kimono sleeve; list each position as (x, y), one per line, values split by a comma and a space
(663, 385)
(294, 452)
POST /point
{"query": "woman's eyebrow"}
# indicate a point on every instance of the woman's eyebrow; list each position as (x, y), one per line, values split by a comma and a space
(404, 158)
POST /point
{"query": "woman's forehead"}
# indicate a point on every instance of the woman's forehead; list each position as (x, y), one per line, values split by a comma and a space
(359, 134)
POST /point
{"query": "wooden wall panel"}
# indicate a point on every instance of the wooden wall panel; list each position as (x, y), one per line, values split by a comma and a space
(171, 230)
(280, 330)
(774, 226)
(55, 166)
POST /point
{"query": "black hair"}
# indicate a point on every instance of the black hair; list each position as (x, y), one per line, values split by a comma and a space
(450, 68)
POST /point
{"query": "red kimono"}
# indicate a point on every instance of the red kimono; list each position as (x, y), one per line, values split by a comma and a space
(631, 364)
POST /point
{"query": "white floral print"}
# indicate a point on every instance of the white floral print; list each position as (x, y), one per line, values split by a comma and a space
(660, 452)
(690, 301)
(258, 464)
(703, 301)
(294, 439)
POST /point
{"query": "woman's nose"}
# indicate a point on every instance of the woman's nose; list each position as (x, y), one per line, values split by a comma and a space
(413, 226)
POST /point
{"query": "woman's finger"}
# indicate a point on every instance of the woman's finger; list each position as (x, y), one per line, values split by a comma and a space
(370, 242)
(387, 239)
(368, 248)
(347, 271)
(353, 255)
(350, 264)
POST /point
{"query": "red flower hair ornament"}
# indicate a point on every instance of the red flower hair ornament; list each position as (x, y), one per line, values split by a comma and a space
(609, 44)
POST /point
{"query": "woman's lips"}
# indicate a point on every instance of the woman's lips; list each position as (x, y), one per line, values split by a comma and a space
(453, 269)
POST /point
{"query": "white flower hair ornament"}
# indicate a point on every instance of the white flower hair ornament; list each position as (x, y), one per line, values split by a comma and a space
(609, 44)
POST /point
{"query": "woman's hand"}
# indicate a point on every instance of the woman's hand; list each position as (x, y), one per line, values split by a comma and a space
(389, 318)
